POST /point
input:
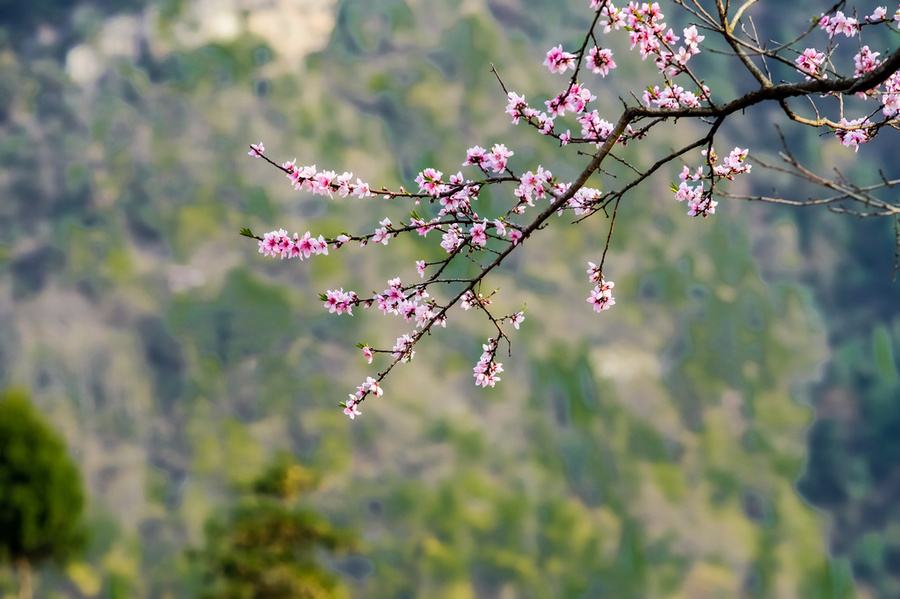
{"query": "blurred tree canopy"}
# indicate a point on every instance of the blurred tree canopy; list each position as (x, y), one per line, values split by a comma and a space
(41, 494)
(268, 546)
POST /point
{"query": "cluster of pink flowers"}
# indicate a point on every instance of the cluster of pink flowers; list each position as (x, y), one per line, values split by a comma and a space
(839, 23)
(733, 164)
(572, 100)
(471, 300)
(369, 387)
(429, 181)
(600, 61)
(594, 128)
(699, 201)
(325, 183)
(559, 61)
(411, 306)
(532, 186)
(279, 243)
(856, 132)
(403, 348)
(338, 301)
(584, 200)
(692, 190)
(601, 297)
(478, 234)
(382, 234)
(495, 160)
(257, 150)
(890, 99)
(673, 96)
(865, 61)
(810, 62)
(487, 369)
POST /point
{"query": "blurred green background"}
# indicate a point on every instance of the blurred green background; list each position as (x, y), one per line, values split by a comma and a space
(730, 429)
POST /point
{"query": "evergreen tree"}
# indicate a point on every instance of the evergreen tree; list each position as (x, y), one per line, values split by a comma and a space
(268, 545)
(41, 494)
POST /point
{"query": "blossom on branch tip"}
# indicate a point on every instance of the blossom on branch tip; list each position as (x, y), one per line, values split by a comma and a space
(839, 23)
(338, 301)
(486, 370)
(878, 14)
(601, 297)
(257, 150)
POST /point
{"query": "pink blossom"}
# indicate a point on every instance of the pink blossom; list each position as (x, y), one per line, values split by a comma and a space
(733, 164)
(857, 132)
(429, 181)
(478, 234)
(600, 61)
(420, 268)
(517, 319)
(451, 239)
(368, 354)
(865, 61)
(338, 301)
(839, 23)
(475, 156)
(382, 234)
(516, 107)
(257, 150)
(498, 158)
(810, 61)
(514, 235)
(890, 99)
(403, 348)
(486, 370)
(594, 128)
(878, 14)
(693, 39)
(558, 61)
(601, 297)
(351, 408)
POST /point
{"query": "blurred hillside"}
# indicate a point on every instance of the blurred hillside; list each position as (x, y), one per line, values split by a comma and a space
(651, 452)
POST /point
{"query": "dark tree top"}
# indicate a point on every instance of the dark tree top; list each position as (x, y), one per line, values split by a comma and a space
(41, 493)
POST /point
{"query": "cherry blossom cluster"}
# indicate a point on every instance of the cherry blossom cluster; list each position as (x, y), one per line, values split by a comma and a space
(839, 23)
(338, 301)
(466, 231)
(692, 189)
(415, 305)
(369, 387)
(810, 62)
(280, 244)
(853, 133)
(601, 297)
(494, 161)
(487, 368)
